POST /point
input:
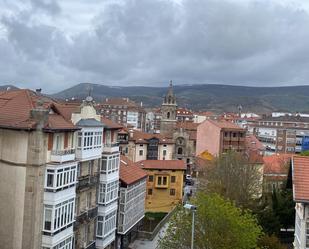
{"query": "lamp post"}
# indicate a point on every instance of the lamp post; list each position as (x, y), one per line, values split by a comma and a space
(193, 209)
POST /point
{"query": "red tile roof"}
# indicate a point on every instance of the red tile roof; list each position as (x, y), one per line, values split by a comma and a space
(16, 106)
(143, 137)
(163, 164)
(252, 143)
(300, 173)
(130, 172)
(222, 124)
(187, 125)
(110, 124)
(277, 164)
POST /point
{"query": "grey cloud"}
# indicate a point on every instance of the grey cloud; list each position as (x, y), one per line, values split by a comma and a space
(134, 41)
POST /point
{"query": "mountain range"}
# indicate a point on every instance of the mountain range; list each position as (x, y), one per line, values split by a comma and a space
(217, 98)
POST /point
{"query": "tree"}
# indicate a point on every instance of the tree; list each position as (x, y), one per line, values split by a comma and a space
(219, 225)
(234, 177)
(304, 153)
(270, 242)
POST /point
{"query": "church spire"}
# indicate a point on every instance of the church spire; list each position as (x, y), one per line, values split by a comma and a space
(170, 97)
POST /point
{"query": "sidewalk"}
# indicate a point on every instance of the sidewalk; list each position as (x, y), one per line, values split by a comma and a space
(147, 244)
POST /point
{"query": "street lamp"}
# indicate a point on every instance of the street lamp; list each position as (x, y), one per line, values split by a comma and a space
(193, 209)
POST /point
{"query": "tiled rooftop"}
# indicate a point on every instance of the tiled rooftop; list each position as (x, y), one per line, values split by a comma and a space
(130, 172)
(163, 164)
(301, 178)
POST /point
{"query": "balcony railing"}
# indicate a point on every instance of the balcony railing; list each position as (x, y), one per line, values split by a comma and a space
(111, 147)
(86, 216)
(87, 182)
(91, 245)
(61, 156)
(63, 152)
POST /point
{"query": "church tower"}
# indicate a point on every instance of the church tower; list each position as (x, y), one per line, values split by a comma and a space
(168, 111)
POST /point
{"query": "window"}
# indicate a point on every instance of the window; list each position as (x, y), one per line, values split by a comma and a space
(161, 182)
(110, 164)
(108, 192)
(150, 178)
(65, 244)
(141, 152)
(164, 153)
(79, 169)
(48, 217)
(50, 177)
(173, 179)
(234, 134)
(90, 167)
(100, 226)
(60, 178)
(106, 225)
(150, 191)
(89, 140)
(179, 151)
(172, 191)
(88, 200)
(62, 213)
(168, 115)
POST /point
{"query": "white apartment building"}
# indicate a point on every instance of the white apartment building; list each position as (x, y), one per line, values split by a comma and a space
(108, 187)
(131, 201)
(59, 196)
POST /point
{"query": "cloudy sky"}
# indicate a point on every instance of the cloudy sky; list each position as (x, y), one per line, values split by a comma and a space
(56, 44)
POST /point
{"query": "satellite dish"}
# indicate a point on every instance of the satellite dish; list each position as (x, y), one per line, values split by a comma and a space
(89, 99)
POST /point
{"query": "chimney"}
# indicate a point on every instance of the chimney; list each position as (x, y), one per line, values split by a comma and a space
(131, 133)
(39, 115)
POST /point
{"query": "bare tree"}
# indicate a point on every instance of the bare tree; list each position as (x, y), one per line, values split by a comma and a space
(233, 176)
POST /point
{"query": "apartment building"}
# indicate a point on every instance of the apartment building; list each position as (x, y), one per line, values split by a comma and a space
(108, 187)
(276, 169)
(183, 114)
(217, 137)
(123, 111)
(137, 145)
(300, 173)
(282, 134)
(88, 153)
(132, 195)
(164, 184)
(37, 172)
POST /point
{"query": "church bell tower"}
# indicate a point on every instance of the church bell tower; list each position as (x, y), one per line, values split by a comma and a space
(168, 111)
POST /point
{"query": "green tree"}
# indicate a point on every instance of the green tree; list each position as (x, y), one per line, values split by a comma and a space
(270, 242)
(219, 225)
(304, 153)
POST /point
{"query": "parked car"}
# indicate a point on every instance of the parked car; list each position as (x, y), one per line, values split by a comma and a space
(189, 182)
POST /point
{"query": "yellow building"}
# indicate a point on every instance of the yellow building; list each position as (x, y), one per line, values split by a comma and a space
(164, 184)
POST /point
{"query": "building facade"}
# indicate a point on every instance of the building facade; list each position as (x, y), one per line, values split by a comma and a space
(139, 146)
(109, 187)
(282, 134)
(88, 153)
(123, 111)
(132, 194)
(217, 137)
(164, 184)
